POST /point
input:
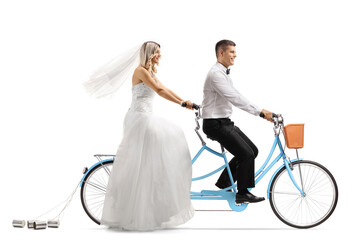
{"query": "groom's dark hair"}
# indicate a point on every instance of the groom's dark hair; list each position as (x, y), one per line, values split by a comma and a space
(223, 45)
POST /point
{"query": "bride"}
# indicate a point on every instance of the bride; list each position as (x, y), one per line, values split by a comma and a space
(149, 186)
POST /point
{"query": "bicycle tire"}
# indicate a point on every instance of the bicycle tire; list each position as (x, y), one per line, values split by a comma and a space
(94, 188)
(319, 202)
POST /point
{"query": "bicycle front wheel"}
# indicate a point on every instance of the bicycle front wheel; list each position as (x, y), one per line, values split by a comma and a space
(93, 190)
(312, 209)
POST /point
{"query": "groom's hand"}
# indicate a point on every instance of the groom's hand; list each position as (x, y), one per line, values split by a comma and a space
(267, 115)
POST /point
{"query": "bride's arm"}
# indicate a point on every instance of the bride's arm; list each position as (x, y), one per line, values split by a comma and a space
(189, 104)
(157, 86)
(171, 92)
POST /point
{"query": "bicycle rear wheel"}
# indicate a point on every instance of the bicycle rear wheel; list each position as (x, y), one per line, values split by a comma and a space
(93, 190)
(319, 202)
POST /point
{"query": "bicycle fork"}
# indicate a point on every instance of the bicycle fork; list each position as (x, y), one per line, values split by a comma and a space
(289, 170)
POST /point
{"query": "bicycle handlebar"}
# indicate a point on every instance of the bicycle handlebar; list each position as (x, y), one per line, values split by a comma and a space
(194, 106)
(274, 115)
(277, 119)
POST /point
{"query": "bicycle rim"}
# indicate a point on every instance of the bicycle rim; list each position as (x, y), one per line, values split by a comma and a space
(307, 211)
(93, 190)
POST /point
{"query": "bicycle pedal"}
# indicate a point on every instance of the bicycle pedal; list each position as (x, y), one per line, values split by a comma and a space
(239, 204)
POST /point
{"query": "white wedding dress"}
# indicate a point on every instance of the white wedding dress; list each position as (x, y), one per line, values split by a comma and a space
(149, 186)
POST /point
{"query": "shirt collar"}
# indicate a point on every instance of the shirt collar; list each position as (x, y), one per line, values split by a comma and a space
(222, 67)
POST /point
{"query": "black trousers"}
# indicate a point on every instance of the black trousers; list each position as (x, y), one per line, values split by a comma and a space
(238, 144)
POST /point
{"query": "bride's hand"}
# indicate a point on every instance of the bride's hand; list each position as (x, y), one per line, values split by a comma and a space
(189, 105)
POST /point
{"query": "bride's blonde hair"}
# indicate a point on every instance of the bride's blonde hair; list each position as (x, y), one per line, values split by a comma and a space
(147, 52)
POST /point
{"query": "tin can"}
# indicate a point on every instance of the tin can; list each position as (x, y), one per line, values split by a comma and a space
(30, 223)
(18, 223)
(40, 225)
(53, 223)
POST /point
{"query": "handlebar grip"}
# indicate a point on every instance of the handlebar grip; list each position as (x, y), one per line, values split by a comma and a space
(274, 115)
(195, 106)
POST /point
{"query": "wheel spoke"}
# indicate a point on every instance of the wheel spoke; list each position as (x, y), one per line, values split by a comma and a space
(97, 186)
(288, 193)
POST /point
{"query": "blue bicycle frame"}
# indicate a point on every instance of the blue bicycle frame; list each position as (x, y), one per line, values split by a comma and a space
(224, 194)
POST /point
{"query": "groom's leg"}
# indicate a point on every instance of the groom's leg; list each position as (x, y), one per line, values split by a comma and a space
(216, 129)
(245, 173)
(224, 180)
(240, 146)
(242, 165)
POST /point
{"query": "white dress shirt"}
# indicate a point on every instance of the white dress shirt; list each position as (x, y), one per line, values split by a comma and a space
(220, 95)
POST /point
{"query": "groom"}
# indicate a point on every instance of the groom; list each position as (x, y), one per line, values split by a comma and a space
(219, 96)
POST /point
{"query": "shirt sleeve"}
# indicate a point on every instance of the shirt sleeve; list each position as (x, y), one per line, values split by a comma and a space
(224, 88)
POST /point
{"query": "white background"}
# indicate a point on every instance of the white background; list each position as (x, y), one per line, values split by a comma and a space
(298, 58)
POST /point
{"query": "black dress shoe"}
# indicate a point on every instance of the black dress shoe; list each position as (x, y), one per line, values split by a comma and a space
(247, 198)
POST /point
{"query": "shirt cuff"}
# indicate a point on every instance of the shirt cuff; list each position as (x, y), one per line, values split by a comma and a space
(258, 111)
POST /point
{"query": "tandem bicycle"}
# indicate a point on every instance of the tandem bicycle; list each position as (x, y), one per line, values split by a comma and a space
(302, 193)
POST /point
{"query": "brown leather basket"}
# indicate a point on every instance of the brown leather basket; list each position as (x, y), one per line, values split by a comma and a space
(294, 135)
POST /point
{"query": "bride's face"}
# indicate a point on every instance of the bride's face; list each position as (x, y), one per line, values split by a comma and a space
(156, 58)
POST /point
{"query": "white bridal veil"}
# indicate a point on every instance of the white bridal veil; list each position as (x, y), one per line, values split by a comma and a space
(109, 78)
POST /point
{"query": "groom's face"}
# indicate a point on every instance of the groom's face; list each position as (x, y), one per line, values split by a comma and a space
(228, 56)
